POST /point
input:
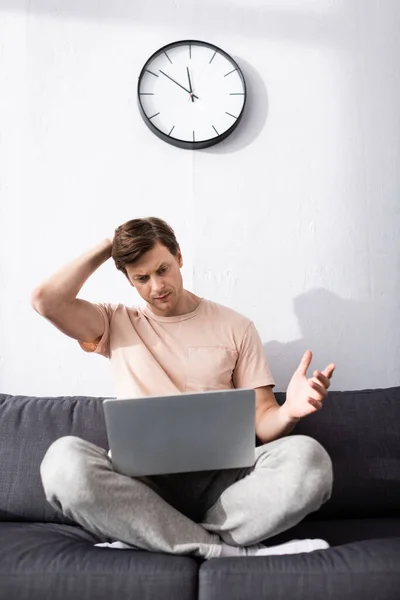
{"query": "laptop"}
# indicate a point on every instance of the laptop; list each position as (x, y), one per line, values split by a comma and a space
(177, 434)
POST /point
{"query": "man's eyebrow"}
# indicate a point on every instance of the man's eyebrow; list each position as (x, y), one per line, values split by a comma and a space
(164, 264)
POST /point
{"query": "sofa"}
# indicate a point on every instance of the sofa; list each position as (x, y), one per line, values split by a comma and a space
(44, 555)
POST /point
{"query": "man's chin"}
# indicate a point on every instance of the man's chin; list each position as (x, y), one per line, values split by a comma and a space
(162, 305)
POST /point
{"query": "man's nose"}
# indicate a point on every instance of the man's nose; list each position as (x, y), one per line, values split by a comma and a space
(157, 285)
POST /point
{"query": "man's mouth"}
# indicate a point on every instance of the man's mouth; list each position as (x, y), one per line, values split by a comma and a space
(162, 297)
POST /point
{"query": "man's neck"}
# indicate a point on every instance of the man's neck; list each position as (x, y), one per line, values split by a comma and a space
(187, 303)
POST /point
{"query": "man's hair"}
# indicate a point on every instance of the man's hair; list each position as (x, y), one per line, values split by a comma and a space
(136, 237)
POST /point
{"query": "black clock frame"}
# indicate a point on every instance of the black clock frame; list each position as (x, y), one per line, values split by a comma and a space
(184, 143)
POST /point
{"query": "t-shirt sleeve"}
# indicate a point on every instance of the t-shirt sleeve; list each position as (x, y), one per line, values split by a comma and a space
(252, 369)
(102, 345)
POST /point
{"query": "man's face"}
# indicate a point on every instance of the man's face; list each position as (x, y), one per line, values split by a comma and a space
(157, 278)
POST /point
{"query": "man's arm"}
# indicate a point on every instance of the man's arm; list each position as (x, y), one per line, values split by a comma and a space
(303, 397)
(55, 299)
(271, 421)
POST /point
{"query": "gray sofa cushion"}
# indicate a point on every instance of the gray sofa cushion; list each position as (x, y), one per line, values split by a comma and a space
(28, 425)
(46, 561)
(368, 570)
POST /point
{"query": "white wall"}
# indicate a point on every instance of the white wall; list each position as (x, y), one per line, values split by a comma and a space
(293, 221)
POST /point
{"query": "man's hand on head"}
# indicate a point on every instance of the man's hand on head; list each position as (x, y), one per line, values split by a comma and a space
(304, 395)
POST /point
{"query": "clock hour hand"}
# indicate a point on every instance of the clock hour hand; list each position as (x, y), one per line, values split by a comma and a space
(177, 83)
(190, 84)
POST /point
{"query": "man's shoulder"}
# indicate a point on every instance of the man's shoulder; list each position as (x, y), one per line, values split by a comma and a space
(220, 311)
(117, 309)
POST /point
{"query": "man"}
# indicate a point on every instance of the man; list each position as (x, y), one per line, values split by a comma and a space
(179, 342)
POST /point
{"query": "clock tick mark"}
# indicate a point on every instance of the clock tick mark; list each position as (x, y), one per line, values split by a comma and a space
(168, 57)
(236, 94)
(215, 130)
(212, 57)
(193, 137)
(146, 94)
(231, 115)
(154, 116)
(155, 74)
(190, 50)
(230, 72)
(171, 130)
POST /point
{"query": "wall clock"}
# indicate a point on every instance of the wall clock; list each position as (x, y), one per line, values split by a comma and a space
(191, 94)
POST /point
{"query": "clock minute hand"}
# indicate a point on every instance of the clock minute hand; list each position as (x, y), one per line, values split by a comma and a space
(186, 90)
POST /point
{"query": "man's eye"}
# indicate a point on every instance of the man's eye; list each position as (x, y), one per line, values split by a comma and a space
(162, 270)
(142, 279)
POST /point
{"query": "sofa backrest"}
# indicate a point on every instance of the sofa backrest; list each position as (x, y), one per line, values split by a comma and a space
(28, 425)
(361, 432)
(359, 429)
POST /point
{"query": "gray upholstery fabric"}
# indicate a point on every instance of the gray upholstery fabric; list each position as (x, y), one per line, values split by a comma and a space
(361, 432)
(40, 561)
(28, 425)
(357, 571)
(48, 561)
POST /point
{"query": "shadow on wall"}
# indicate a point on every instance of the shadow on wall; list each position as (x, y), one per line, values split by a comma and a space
(354, 335)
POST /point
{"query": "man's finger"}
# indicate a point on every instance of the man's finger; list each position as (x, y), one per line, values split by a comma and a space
(328, 371)
(315, 403)
(322, 379)
(322, 393)
(305, 362)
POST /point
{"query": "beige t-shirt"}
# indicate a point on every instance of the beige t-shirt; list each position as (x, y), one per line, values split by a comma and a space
(211, 348)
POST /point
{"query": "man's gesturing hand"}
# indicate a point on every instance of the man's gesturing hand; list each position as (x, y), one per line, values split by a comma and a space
(305, 396)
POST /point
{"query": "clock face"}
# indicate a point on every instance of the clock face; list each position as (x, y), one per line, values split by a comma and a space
(191, 94)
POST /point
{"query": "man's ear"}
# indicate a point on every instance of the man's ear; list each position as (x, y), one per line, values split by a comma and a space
(179, 258)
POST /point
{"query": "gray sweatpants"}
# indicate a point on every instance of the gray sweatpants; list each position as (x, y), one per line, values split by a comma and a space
(188, 513)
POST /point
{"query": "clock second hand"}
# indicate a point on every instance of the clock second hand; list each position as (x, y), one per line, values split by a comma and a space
(188, 91)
